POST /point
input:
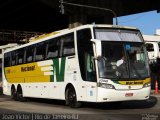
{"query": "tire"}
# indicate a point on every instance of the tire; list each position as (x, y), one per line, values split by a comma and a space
(66, 97)
(71, 98)
(19, 95)
(13, 93)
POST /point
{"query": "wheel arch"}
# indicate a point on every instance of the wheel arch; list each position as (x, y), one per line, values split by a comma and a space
(69, 85)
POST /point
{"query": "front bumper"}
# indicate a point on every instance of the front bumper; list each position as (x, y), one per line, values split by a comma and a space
(111, 95)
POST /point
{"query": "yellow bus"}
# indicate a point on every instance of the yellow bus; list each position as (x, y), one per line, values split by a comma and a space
(80, 65)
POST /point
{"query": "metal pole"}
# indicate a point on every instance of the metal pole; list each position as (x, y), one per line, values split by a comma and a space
(93, 7)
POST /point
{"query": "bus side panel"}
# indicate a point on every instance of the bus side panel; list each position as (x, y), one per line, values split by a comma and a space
(73, 76)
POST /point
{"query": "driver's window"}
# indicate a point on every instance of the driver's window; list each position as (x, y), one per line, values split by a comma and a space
(90, 67)
(85, 55)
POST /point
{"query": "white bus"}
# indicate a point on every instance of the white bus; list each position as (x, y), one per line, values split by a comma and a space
(2, 48)
(78, 65)
(153, 47)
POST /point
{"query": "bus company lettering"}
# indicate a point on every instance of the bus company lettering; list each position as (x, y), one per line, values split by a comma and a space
(8, 71)
(28, 68)
(134, 82)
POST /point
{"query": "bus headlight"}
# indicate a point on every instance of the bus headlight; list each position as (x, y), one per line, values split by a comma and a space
(146, 85)
(105, 85)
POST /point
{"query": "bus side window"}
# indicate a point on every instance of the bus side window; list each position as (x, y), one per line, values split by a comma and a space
(30, 51)
(53, 48)
(150, 47)
(40, 51)
(13, 58)
(7, 59)
(68, 45)
(20, 56)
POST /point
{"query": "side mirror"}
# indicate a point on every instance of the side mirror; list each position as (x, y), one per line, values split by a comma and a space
(98, 49)
(102, 60)
(98, 58)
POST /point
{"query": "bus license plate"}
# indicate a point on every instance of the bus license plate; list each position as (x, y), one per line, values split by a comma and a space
(129, 94)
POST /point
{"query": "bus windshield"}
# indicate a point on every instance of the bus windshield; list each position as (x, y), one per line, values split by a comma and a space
(123, 59)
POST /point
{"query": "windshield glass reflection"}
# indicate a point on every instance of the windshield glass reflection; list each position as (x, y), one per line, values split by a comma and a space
(123, 60)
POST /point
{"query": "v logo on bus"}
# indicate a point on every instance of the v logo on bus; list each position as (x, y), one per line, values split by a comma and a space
(59, 69)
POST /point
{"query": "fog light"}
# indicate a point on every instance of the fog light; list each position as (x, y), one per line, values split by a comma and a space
(105, 98)
(146, 96)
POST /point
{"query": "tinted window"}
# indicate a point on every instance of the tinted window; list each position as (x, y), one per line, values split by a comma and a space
(13, 58)
(150, 47)
(68, 45)
(53, 48)
(7, 58)
(40, 51)
(20, 56)
(85, 55)
(30, 54)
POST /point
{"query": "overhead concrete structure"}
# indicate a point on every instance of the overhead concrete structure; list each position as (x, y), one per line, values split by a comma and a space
(45, 16)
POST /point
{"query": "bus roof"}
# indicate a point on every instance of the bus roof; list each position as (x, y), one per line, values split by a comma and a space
(65, 31)
(108, 26)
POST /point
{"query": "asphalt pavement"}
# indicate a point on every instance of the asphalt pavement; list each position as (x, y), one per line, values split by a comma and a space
(44, 109)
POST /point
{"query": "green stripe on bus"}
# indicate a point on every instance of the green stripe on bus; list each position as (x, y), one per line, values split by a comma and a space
(59, 70)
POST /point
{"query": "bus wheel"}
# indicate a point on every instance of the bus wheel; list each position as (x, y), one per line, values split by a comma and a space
(13, 93)
(20, 95)
(72, 98)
